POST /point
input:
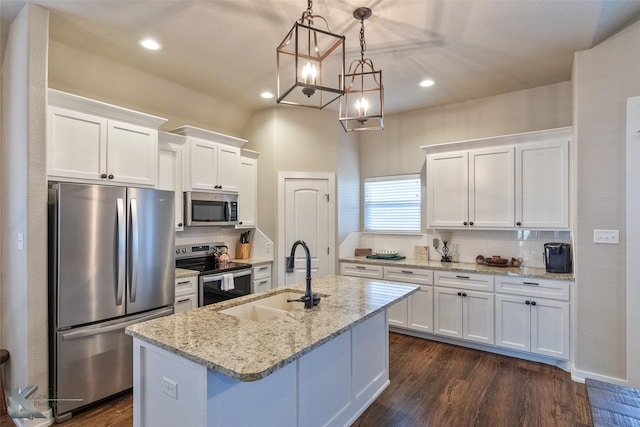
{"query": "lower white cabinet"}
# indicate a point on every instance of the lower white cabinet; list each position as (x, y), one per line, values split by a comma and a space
(261, 276)
(416, 311)
(526, 314)
(464, 314)
(526, 321)
(186, 294)
(361, 270)
(463, 306)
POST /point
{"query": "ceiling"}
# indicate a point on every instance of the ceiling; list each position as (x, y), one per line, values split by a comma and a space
(227, 48)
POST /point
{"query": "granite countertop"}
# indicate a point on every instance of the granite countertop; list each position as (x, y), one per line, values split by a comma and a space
(466, 267)
(183, 272)
(250, 350)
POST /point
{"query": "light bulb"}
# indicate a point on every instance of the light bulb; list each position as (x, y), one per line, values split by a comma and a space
(309, 74)
(362, 105)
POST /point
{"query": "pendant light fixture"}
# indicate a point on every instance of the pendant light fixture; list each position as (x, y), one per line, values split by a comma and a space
(310, 62)
(362, 106)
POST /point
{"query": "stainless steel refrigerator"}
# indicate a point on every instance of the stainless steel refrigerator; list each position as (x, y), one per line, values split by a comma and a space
(111, 264)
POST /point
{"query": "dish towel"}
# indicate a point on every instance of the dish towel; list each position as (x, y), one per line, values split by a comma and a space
(227, 282)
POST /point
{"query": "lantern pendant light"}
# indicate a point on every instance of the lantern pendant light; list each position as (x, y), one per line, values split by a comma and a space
(309, 64)
(362, 106)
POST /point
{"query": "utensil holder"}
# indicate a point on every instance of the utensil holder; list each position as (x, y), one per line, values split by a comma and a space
(243, 250)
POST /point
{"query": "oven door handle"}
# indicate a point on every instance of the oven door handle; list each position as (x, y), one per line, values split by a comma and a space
(218, 277)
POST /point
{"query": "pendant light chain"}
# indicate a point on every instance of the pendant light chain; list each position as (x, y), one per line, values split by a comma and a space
(363, 43)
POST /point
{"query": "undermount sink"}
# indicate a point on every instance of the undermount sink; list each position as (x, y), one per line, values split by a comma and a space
(267, 308)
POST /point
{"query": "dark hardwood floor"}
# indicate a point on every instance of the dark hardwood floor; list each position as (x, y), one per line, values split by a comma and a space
(440, 385)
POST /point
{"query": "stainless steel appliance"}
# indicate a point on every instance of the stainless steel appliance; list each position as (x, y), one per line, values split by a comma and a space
(111, 264)
(206, 209)
(211, 281)
(557, 257)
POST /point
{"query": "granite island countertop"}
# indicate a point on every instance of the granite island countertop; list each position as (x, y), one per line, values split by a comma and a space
(465, 267)
(249, 350)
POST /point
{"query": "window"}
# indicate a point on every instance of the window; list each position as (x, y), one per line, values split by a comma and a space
(392, 204)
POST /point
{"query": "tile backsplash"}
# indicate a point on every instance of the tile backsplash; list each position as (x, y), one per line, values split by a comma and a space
(464, 245)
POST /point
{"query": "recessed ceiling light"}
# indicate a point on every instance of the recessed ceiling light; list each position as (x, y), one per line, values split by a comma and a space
(150, 44)
(266, 95)
(427, 83)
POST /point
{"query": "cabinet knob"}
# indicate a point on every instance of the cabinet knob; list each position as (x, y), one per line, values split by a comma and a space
(527, 302)
(459, 294)
(533, 303)
(464, 294)
(518, 223)
(110, 176)
(103, 176)
(179, 224)
(465, 223)
(470, 222)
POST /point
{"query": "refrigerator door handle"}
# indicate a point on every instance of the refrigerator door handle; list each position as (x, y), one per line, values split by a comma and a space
(122, 259)
(134, 250)
(110, 328)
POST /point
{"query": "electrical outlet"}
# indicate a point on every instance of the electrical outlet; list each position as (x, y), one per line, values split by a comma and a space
(608, 237)
(170, 387)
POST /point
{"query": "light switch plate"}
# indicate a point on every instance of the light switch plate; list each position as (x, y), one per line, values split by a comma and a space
(608, 237)
(170, 387)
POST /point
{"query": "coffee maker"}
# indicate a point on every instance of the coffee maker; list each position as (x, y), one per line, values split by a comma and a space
(557, 257)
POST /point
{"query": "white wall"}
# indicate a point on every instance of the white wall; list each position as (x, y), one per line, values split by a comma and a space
(83, 73)
(604, 77)
(24, 200)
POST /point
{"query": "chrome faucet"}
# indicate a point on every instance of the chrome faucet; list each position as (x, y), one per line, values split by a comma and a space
(309, 298)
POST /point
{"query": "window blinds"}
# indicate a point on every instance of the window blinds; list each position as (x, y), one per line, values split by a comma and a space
(392, 203)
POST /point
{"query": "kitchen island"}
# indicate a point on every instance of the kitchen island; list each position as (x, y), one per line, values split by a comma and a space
(322, 366)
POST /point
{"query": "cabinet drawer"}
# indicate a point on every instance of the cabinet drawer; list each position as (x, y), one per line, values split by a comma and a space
(361, 270)
(409, 275)
(262, 271)
(186, 285)
(533, 287)
(185, 303)
(459, 280)
(261, 285)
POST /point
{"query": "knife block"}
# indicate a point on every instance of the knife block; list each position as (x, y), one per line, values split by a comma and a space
(243, 250)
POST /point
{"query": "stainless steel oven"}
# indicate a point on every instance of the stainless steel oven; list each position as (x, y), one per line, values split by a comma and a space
(215, 287)
(216, 282)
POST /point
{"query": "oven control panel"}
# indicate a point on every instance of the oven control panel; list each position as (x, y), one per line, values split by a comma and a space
(197, 249)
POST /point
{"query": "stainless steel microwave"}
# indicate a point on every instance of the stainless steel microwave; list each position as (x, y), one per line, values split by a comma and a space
(206, 209)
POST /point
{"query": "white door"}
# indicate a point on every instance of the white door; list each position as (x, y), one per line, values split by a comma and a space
(308, 215)
(477, 316)
(447, 312)
(447, 189)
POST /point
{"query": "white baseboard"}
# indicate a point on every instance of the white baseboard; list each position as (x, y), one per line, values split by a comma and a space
(580, 376)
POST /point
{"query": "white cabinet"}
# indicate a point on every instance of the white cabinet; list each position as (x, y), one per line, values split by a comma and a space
(472, 188)
(170, 171)
(533, 315)
(503, 182)
(261, 276)
(463, 306)
(248, 189)
(416, 311)
(542, 183)
(212, 160)
(361, 270)
(186, 294)
(101, 144)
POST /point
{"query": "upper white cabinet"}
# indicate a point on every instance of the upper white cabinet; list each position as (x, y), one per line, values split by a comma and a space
(212, 160)
(542, 183)
(473, 188)
(90, 141)
(170, 148)
(505, 182)
(248, 189)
